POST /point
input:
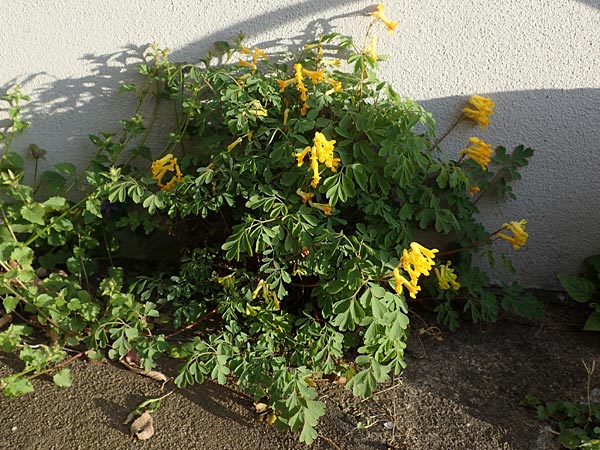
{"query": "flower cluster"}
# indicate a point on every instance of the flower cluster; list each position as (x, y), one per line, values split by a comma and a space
(446, 277)
(256, 53)
(416, 262)
(380, 15)
(161, 166)
(483, 109)
(320, 152)
(316, 77)
(519, 237)
(478, 151)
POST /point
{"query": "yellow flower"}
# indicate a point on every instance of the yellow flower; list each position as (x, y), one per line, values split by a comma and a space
(301, 155)
(479, 151)
(305, 196)
(286, 114)
(304, 109)
(330, 62)
(401, 282)
(285, 83)
(316, 76)
(336, 86)
(262, 285)
(446, 277)
(325, 207)
(519, 237)
(256, 108)
(371, 49)
(300, 82)
(473, 190)
(416, 262)
(314, 165)
(484, 108)
(320, 152)
(379, 14)
(161, 166)
(234, 144)
(258, 53)
(243, 63)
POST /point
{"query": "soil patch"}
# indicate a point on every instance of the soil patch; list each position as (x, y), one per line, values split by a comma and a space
(463, 392)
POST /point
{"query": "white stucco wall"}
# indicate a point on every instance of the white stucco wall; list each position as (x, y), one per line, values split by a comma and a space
(538, 59)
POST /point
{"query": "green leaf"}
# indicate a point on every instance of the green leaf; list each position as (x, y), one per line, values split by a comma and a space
(22, 255)
(526, 305)
(14, 160)
(16, 386)
(55, 203)
(578, 288)
(65, 168)
(593, 322)
(33, 213)
(12, 337)
(55, 182)
(62, 378)
(594, 261)
(10, 303)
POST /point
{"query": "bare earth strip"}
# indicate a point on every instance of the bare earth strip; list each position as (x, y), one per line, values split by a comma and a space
(461, 393)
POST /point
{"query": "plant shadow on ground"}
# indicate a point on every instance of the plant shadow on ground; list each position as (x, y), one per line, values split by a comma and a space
(462, 392)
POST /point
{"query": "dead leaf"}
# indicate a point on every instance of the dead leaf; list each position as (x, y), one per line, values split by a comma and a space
(5, 319)
(261, 407)
(153, 374)
(340, 380)
(143, 427)
(271, 418)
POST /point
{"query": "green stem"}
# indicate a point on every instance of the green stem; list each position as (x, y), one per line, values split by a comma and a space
(7, 223)
(448, 131)
(8, 145)
(37, 235)
(472, 246)
(492, 182)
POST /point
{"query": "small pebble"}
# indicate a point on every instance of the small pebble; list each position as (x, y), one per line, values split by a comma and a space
(13, 428)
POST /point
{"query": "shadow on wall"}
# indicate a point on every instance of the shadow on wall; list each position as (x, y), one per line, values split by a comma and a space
(593, 3)
(558, 192)
(558, 189)
(63, 112)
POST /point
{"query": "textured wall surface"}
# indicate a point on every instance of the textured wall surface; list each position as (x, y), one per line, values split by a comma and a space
(538, 59)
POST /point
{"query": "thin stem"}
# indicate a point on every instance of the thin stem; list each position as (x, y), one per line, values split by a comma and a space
(7, 223)
(590, 371)
(37, 235)
(472, 246)
(492, 182)
(27, 302)
(61, 364)
(448, 131)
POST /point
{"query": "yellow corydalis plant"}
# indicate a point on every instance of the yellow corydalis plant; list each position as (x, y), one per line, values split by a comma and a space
(256, 54)
(446, 277)
(301, 87)
(415, 261)
(325, 207)
(263, 289)
(161, 167)
(478, 151)
(483, 108)
(371, 50)
(519, 237)
(320, 152)
(305, 196)
(380, 15)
